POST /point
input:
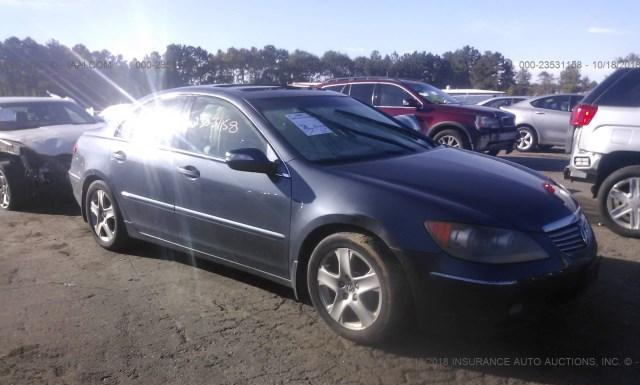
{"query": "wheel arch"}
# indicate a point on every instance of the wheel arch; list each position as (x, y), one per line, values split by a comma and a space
(450, 125)
(611, 163)
(89, 178)
(317, 234)
(535, 131)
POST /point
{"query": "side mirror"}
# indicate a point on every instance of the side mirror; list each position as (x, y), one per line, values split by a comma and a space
(250, 160)
(411, 102)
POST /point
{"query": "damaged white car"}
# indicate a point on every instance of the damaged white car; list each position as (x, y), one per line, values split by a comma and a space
(37, 136)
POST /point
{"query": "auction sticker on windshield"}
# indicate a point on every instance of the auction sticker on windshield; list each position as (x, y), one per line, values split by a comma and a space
(308, 124)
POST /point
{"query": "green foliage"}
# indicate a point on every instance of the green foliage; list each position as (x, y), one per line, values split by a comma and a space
(100, 78)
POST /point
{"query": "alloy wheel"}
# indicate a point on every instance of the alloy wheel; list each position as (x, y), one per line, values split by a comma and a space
(525, 140)
(623, 203)
(103, 217)
(349, 289)
(5, 195)
(450, 141)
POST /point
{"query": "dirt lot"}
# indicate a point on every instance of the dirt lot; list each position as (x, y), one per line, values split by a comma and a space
(74, 313)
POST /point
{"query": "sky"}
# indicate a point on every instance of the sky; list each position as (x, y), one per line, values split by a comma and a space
(541, 30)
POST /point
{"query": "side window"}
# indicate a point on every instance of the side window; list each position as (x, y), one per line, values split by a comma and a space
(339, 88)
(575, 99)
(624, 93)
(155, 122)
(362, 91)
(391, 96)
(215, 127)
(558, 103)
(499, 103)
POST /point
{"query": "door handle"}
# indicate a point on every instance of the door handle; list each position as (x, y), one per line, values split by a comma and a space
(189, 171)
(119, 156)
(539, 113)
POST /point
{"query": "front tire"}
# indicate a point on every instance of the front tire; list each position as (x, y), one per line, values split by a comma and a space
(104, 218)
(527, 140)
(357, 287)
(452, 138)
(12, 190)
(619, 201)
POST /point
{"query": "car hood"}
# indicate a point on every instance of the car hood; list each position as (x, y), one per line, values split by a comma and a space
(469, 188)
(50, 140)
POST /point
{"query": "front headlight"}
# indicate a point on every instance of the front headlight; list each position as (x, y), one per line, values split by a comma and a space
(9, 147)
(484, 244)
(484, 122)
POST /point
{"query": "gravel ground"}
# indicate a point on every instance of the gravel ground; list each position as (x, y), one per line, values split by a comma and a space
(73, 313)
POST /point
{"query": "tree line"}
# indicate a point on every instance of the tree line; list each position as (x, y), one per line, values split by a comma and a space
(102, 78)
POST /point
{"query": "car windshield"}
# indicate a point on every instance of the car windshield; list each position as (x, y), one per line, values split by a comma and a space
(431, 93)
(338, 129)
(19, 116)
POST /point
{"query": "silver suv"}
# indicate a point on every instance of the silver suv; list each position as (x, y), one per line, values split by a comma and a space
(605, 149)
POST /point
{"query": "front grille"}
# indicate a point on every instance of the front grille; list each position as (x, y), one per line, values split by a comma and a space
(508, 121)
(569, 238)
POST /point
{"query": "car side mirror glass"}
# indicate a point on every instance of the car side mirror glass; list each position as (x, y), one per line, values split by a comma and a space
(250, 160)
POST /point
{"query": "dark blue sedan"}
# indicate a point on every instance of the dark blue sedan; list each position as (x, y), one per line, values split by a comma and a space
(319, 192)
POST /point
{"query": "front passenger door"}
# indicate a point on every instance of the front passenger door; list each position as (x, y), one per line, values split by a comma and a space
(242, 217)
(392, 100)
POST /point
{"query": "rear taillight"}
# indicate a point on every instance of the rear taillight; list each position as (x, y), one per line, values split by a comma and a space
(582, 114)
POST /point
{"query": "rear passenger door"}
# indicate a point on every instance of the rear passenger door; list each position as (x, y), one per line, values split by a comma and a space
(142, 166)
(242, 217)
(363, 92)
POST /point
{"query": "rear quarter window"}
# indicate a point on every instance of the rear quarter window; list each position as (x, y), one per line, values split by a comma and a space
(623, 93)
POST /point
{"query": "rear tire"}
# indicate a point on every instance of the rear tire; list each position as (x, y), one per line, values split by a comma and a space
(618, 200)
(12, 188)
(452, 138)
(358, 288)
(104, 217)
(527, 140)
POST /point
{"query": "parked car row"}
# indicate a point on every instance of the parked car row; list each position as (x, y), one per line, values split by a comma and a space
(327, 195)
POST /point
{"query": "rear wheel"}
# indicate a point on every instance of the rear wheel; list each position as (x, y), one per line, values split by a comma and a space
(357, 287)
(104, 217)
(12, 191)
(619, 201)
(527, 140)
(452, 138)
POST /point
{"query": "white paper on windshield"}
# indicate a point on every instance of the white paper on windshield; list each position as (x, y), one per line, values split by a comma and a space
(308, 124)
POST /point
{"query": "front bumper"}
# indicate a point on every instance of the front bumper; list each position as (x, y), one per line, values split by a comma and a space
(501, 139)
(40, 173)
(507, 298)
(441, 281)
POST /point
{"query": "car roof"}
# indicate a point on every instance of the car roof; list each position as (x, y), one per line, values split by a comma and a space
(550, 95)
(368, 79)
(250, 92)
(32, 99)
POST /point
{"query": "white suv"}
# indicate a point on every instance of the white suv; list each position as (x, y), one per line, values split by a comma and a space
(606, 149)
